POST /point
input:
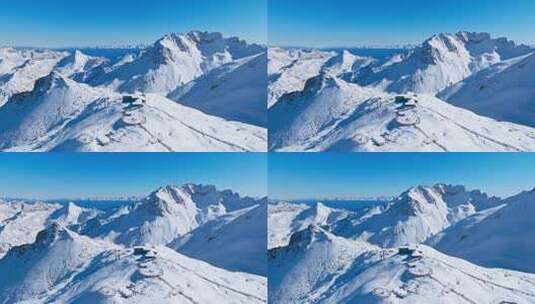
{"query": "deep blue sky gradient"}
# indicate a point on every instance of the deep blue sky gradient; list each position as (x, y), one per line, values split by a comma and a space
(80, 175)
(331, 175)
(338, 23)
(63, 23)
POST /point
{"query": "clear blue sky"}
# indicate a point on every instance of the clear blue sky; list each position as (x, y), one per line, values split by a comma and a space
(75, 175)
(60, 23)
(330, 175)
(328, 23)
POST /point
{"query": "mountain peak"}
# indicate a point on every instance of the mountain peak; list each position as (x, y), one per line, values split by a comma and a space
(304, 238)
(54, 79)
(52, 233)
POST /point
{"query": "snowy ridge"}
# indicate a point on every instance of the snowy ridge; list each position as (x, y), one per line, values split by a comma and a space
(61, 114)
(338, 101)
(132, 253)
(334, 270)
(331, 114)
(338, 262)
(166, 214)
(96, 91)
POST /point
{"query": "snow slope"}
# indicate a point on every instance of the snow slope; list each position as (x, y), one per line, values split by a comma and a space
(131, 253)
(318, 267)
(288, 70)
(20, 222)
(19, 69)
(63, 267)
(61, 114)
(245, 229)
(504, 91)
(285, 219)
(331, 114)
(235, 91)
(499, 237)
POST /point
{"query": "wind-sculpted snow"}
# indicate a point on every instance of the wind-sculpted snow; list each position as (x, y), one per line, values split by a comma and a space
(132, 253)
(53, 97)
(489, 240)
(331, 114)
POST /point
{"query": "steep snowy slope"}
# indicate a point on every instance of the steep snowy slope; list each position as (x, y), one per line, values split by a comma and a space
(285, 219)
(416, 215)
(166, 214)
(318, 267)
(48, 263)
(289, 69)
(333, 115)
(298, 271)
(19, 69)
(235, 241)
(441, 61)
(505, 91)
(173, 61)
(235, 91)
(20, 222)
(63, 267)
(159, 275)
(499, 237)
(60, 114)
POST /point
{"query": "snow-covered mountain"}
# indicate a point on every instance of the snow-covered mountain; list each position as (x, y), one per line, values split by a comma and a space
(20, 222)
(62, 266)
(20, 69)
(288, 70)
(60, 114)
(79, 101)
(319, 267)
(498, 237)
(248, 252)
(482, 249)
(504, 91)
(235, 91)
(324, 101)
(441, 61)
(175, 60)
(416, 215)
(285, 219)
(166, 214)
(331, 114)
(133, 253)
